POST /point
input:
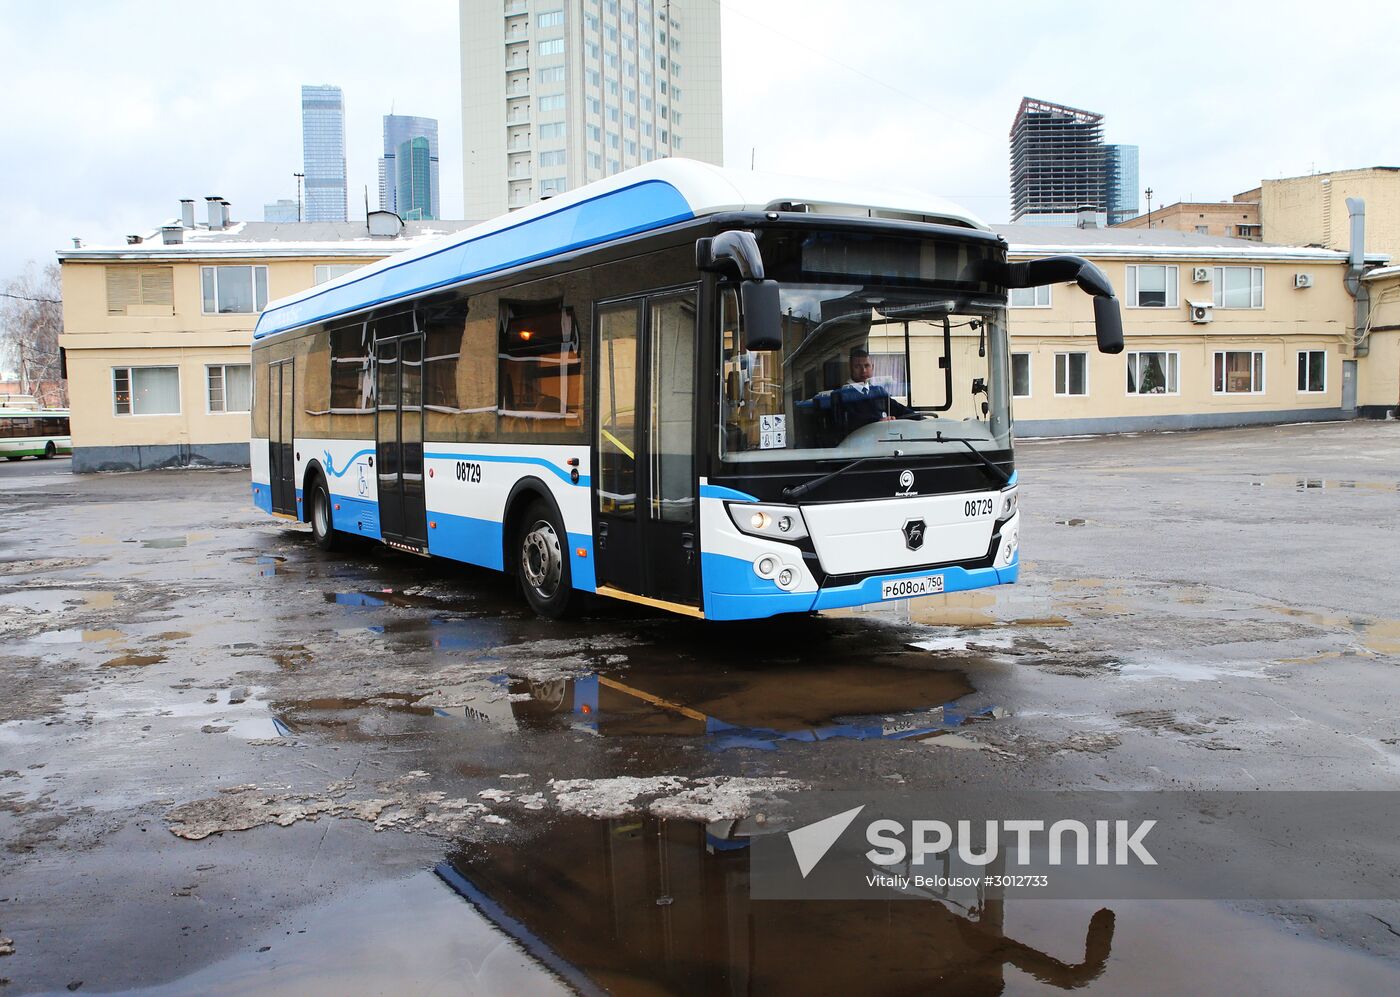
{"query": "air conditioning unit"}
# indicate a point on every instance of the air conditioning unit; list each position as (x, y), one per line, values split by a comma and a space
(1202, 311)
(1302, 280)
(1200, 275)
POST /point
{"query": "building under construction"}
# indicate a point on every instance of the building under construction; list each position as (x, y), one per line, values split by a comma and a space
(1058, 165)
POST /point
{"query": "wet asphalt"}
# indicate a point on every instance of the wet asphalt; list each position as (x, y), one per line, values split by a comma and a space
(230, 763)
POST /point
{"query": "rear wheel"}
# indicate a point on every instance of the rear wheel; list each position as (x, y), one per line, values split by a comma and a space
(543, 563)
(14, 456)
(49, 450)
(323, 516)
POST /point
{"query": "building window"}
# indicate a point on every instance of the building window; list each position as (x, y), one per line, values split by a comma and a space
(146, 390)
(595, 134)
(1071, 373)
(1030, 297)
(229, 387)
(1153, 373)
(554, 46)
(610, 60)
(552, 74)
(629, 95)
(140, 290)
(554, 102)
(595, 78)
(1152, 286)
(630, 147)
(553, 185)
(1238, 287)
(614, 142)
(554, 158)
(614, 114)
(595, 161)
(1203, 230)
(323, 272)
(646, 129)
(594, 105)
(629, 121)
(612, 88)
(591, 48)
(554, 131)
(234, 290)
(1020, 375)
(1239, 372)
(1312, 371)
(551, 19)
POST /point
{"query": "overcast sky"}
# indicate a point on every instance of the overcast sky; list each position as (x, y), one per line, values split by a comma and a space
(113, 111)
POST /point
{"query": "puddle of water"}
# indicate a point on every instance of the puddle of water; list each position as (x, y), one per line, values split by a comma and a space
(161, 543)
(1379, 636)
(100, 600)
(1302, 484)
(1069, 522)
(43, 600)
(645, 905)
(133, 660)
(268, 565)
(78, 637)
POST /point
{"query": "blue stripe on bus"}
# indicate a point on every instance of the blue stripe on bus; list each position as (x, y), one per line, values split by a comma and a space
(615, 214)
(480, 542)
(262, 496)
(356, 515)
(721, 492)
(559, 472)
(330, 469)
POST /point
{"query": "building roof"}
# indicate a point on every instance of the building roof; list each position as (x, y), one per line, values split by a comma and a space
(1154, 242)
(641, 199)
(273, 240)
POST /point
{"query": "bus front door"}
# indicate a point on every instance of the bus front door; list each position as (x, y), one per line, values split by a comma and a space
(399, 441)
(281, 398)
(646, 535)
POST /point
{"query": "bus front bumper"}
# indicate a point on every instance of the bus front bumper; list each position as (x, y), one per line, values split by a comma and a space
(722, 605)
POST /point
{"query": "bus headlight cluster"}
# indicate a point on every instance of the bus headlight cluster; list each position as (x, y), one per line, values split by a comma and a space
(1010, 542)
(769, 566)
(778, 522)
(1008, 503)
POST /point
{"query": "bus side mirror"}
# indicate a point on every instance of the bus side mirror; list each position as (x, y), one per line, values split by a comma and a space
(1108, 320)
(737, 250)
(1108, 324)
(762, 315)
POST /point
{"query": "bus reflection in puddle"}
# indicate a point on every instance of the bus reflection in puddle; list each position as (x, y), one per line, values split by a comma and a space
(646, 905)
(752, 708)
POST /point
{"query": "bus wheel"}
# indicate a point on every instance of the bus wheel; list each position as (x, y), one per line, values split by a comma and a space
(322, 518)
(14, 457)
(49, 450)
(544, 569)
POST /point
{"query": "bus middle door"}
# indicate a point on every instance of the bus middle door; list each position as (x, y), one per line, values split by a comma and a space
(647, 539)
(399, 433)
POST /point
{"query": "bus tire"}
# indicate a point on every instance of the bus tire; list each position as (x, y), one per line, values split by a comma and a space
(542, 562)
(49, 450)
(323, 516)
(14, 456)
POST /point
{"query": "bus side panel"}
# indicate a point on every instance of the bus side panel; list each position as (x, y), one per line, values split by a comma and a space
(467, 488)
(350, 479)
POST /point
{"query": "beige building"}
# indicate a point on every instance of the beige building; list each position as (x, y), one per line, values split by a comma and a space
(1312, 210)
(1233, 219)
(1379, 345)
(157, 331)
(1218, 332)
(558, 93)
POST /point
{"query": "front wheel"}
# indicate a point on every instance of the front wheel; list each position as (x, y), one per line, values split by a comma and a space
(323, 517)
(49, 450)
(543, 563)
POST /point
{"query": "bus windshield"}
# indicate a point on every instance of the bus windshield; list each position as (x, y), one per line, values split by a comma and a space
(867, 370)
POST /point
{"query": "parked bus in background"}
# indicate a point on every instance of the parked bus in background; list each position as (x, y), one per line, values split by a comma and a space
(725, 394)
(41, 433)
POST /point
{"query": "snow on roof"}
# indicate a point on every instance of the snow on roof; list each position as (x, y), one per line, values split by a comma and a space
(641, 199)
(273, 239)
(1098, 243)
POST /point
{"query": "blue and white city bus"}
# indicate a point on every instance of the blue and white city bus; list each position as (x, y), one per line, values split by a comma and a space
(725, 394)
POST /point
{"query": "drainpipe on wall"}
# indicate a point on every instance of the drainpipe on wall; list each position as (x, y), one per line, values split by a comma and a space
(1356, 266)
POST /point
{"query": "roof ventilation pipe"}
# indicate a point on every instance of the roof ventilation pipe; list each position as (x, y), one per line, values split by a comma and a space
(187, 212)
(215, 207)
(1356, 265)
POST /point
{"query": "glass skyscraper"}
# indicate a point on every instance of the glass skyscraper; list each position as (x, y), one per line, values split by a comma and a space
(413, 189)
(399, 130)
(1122, 168)
(323, 153)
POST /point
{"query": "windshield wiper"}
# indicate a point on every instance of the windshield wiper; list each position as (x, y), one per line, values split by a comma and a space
(998, 475)
(797, 491)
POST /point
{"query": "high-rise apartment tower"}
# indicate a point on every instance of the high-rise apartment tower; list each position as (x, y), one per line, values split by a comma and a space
(557, 93)
(1057, 164)
(426, 197)
(323, 153)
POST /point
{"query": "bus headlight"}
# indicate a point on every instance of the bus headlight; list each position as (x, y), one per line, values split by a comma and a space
(777, 522)
(1010, 543)
(1008, 503)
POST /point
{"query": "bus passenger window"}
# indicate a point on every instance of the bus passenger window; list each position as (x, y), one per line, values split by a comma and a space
(442, 327)
(350, 376)
(540, 367)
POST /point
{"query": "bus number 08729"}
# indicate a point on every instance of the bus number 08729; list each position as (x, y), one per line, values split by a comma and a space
(469, 472)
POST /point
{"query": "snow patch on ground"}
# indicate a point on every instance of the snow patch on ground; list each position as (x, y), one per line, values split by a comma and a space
(707, 799)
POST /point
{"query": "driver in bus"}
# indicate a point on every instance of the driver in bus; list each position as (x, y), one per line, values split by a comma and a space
(862, 402)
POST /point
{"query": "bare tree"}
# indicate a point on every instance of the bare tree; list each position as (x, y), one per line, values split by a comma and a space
(31, 320)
